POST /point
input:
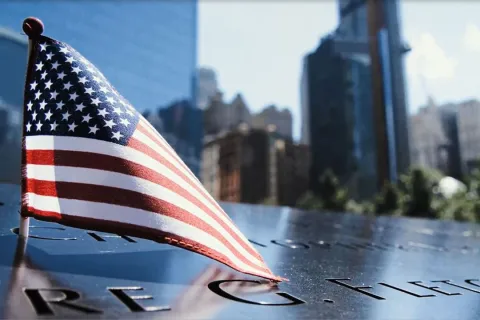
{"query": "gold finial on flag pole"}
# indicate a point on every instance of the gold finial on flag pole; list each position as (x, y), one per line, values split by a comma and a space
(33, 28)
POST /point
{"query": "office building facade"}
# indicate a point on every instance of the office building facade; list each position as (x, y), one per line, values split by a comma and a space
(449, 117)
(293, 176)
(146, 49)
(446, 137)
(207, 86)
(255, 166)
(13, 59)
(365, 149)
(221, 116)
(273, 116)
(430, 143)
(352, 88)
(397, 48)
(330, 113)
(336, 96)
(468, 123)
(359, 22)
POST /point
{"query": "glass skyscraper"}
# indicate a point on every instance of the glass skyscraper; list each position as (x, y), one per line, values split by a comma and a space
(13, 59)
(336, 102)
(355, 17)
(146, 49)
(340, 76)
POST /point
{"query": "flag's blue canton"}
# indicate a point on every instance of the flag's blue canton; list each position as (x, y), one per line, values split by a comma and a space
(67, 96)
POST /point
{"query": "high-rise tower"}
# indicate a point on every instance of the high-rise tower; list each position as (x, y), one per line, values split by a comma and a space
(377, 23)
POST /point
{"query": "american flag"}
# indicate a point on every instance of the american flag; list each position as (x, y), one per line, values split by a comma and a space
(90, 160)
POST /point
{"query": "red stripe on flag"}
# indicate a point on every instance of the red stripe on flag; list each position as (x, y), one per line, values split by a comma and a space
(119, 165)
(132, 199)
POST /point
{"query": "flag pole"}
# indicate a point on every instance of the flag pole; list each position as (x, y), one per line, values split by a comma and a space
(24, 226)
(33, 28)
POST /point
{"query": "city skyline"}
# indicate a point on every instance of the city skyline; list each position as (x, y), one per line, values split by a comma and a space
(442, 62)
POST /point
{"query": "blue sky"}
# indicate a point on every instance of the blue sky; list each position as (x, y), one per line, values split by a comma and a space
(256, 47)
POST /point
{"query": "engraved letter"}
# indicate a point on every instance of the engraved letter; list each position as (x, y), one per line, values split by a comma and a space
(130, 302)
(291, 244)
(349, 246)
(469, 281)
(15, 230)
(406, 291)
(101, 238)
(358, 289)
(436, 289)
(321, 244)
(215, 288)
(42, 305)
(457, 285)
(257, 243)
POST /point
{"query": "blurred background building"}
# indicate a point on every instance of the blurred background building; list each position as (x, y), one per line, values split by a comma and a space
(221, 116)
(251, 157)
(147, 50)
(331, 112)
(254, 165)
(340, 98)
(273, 116)
(13, 60)
(430, 143)
(207, 86)
(447, 137)
(468, 122)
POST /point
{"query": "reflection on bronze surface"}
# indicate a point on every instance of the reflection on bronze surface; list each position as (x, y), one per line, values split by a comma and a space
(198, 302)
(23, 275)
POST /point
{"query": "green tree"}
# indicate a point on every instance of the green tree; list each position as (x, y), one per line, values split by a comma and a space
(365, 207)
(389, 200)
(420, 204)
(309, 201)
(333, 197)
(432, 177)
(473, 182)
(476, 210)
(464, 212)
